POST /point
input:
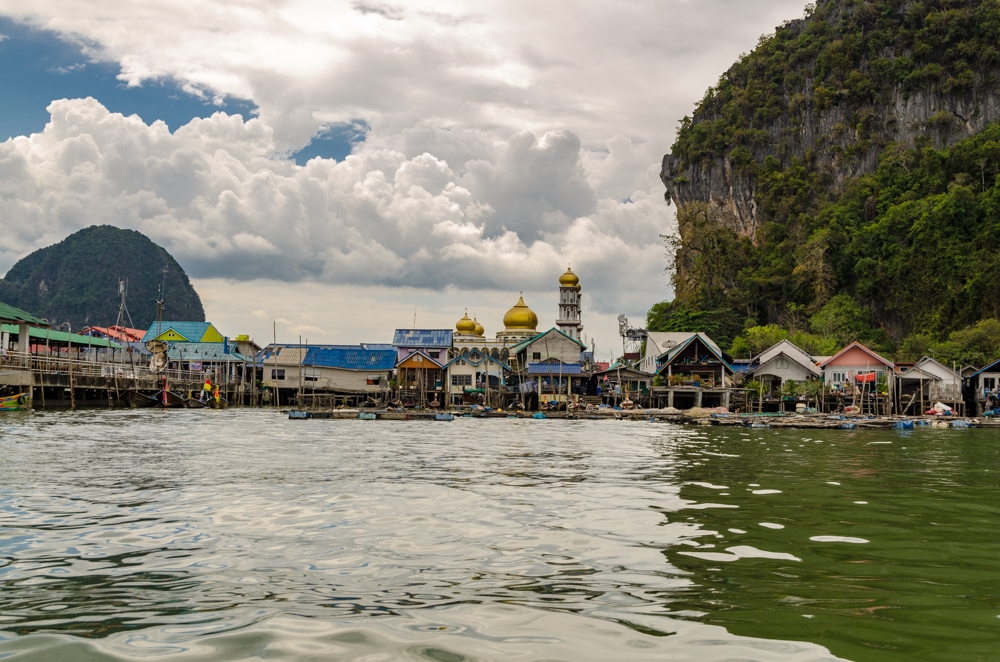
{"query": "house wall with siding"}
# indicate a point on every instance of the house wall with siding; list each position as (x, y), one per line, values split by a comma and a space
(784, 368)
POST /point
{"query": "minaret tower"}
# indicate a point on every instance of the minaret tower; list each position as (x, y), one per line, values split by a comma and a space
(569, 321)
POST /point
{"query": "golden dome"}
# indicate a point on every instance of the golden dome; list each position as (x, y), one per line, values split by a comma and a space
(569, 279)
(465, 325)
(520, 317)
(479, 328)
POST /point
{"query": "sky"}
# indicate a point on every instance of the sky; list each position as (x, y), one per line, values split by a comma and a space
(335, 170)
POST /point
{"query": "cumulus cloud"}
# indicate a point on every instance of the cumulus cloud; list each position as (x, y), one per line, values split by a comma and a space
(215, 196)
(506, 138)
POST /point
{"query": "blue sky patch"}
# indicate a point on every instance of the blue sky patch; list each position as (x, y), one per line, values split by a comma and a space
(334, 142)
(37, 67)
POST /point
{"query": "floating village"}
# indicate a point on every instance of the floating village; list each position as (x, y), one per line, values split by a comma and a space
(522, 371)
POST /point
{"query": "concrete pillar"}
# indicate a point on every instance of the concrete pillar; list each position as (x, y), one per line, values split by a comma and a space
(670, 398)
(725, 398)
(697, 398)
(23, 341)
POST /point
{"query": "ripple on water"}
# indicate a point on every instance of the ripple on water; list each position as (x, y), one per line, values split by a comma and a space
(202, 535)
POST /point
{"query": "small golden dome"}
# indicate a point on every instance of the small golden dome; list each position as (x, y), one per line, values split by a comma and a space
(520, 317)
(569, 279)
(479, 328)
(465, 325)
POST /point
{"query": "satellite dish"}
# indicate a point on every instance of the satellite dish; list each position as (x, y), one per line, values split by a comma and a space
(158, 362)
(156, 346)
(622, 319)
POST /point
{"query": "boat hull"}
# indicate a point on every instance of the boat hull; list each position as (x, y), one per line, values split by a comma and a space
(13, 402)
(138, 400)
(171, 400)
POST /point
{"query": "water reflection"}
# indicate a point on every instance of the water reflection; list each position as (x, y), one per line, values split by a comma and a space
(206, 535)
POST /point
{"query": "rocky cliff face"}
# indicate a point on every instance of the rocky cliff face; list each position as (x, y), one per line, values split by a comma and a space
(820, 94)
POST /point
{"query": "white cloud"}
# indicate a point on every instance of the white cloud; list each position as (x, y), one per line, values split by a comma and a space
(507, 139)
(215, 196)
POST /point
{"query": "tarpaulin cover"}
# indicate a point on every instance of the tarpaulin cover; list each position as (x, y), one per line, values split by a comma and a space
(870, 377)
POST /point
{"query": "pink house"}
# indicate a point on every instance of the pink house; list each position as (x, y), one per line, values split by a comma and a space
(844, 367)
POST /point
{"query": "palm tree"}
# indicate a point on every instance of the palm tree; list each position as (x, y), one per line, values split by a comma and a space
(815, 389)
(790, 390)
(757, 388)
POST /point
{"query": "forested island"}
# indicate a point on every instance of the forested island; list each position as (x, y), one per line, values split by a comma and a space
(76, 280)
(840, 183)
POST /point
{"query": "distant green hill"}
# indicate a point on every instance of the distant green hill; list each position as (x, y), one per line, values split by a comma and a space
(76, 280)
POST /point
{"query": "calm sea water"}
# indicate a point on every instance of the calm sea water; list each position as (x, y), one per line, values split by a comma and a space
(203, 535)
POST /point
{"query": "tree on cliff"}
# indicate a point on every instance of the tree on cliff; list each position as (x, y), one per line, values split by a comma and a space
(853, 154)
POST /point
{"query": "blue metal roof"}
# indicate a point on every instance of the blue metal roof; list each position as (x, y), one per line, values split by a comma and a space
(351, 357)
(477, 358)
(193, 331)
(422, 338)
(213, 352)
(988, 368)
(554, 369)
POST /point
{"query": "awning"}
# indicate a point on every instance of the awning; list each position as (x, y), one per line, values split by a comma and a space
(42, 335)
(554, 369)
(870, 377)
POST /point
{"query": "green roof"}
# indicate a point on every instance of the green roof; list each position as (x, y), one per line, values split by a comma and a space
(63, 337)
(11, 314)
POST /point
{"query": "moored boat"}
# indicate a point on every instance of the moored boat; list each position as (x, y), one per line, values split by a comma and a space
(13, 402)
(194, 403)
(137, 400)
(171, 400)
(217, 403)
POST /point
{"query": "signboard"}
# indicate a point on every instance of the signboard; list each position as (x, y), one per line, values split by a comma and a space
(196, 366)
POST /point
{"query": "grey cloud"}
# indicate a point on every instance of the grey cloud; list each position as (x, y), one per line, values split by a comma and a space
(385, 11)
(215, 196)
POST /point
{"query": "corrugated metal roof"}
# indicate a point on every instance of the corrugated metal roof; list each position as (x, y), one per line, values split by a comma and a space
(988, 368)
(422, 338)
(352, 357)
(477, 358)
(524, 343)
(421, 353)
(281, 355)
(120, 333)
(672, 354)
(864, 349)
(204, 351)
(193, 331)
(9, 313)
(554, 369)
(659, 343)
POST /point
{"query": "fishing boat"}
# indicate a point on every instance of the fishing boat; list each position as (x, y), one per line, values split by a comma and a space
(171, 400)
(13, 402)
(137, 400)
(194, 403)
(217, 403)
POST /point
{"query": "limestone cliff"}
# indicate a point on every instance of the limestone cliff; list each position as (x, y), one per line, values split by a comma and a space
(830, 92)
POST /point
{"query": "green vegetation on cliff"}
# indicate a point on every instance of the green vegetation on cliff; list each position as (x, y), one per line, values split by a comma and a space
(855, 236)
(76, 280)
